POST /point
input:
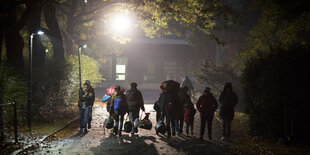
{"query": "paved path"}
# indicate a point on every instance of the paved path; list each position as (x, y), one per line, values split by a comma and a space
(99, 141)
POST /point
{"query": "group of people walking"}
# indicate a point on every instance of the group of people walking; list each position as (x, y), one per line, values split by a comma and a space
(174, 107)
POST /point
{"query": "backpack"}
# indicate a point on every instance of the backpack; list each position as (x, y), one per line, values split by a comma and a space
(118, 103)
(133, 97)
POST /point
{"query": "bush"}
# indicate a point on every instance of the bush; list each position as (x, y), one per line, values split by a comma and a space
(57, 83)
(12, 88)
(276, 94)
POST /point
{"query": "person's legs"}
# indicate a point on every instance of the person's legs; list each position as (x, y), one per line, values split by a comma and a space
(172, 121)
(132, 120)
(228, 128)
(191, 125)
(176, 126)
(168, 125)
(90, 113)
(181, 124)
(81, 119)
(84, 119)
(224, 130)
(116, 123)
(187, 128)
(121, 124)
(202, 126)
(210, 127)
(133, 115)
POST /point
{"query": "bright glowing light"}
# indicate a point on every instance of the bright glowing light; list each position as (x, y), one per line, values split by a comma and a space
(121, 23)
(40, 32)
(84, 46)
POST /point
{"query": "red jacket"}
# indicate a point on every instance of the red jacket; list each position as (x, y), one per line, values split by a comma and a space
(207, 104)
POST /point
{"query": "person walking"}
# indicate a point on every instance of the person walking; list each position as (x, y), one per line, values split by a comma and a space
(90, 113)
(184, 99)
(135, 102)
(187, 82)
(206, 105)
(228, 100)
(86, 100)
(120, 109)
(189, 113)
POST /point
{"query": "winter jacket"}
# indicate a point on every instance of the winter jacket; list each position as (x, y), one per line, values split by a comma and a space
(168, 102)
(134, 99)
(86, 98)
(123, 107)
(184, 99)
(207, 104)
(228, 101)
(189, 113)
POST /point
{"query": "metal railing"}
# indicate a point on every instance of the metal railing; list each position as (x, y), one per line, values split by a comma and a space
(15, 122)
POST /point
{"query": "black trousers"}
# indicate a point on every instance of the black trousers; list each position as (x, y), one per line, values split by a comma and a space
(169, 122)
(206, 120)
(226, 128)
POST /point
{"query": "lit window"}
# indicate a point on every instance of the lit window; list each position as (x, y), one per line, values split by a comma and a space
(121, 69)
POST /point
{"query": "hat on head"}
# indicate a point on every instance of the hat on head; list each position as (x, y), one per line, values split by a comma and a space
(207, 89)
(134, 85)
(86, 82)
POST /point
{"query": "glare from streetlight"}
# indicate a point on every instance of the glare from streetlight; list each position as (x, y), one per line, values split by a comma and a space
(84, 46)
(40, 32)
(121, 23)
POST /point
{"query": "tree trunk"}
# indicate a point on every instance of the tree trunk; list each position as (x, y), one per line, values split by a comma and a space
(52, 23)
(70, 28)
(14, 48)
(33, 26)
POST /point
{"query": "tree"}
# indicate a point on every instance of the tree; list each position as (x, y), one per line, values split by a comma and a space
(280, 25)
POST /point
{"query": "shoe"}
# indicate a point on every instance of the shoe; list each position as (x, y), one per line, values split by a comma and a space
(223, 138)
(89, 126)
(173, 133)
(181, 131)
(132, 134)
(136, 130)
(120, 134)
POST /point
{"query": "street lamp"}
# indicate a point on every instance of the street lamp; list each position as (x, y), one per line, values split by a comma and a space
(80, 53)
(121, 23)
(30, 79)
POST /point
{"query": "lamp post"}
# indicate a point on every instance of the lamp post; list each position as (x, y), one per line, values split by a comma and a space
(80, 53)
(30, 79)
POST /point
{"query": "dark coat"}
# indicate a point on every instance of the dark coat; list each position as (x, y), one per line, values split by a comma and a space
(207, 105)
(134, 99)
(86, 98)
(228, 101)
(168, 103)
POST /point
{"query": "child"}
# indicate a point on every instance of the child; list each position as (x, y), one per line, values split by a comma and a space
(189, 113)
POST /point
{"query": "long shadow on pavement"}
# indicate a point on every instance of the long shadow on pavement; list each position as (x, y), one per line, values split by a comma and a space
(192, 145)
(126, 145)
